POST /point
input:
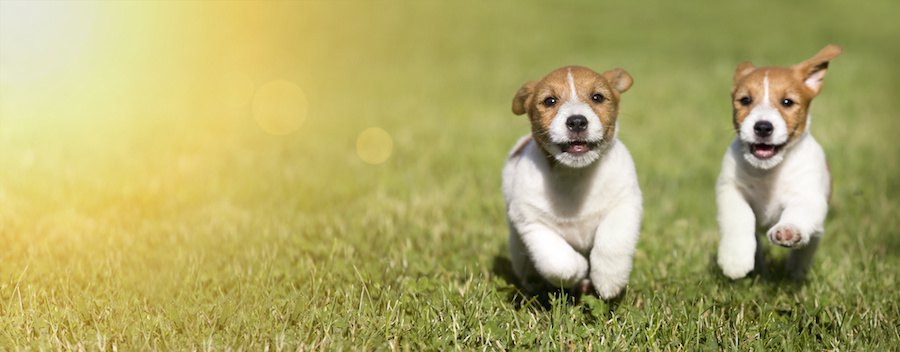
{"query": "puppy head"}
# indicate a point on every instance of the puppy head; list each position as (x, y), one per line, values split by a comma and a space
(771, 105)
(573, 112)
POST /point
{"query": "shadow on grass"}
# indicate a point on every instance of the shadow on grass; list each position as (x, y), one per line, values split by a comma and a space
(547, 295)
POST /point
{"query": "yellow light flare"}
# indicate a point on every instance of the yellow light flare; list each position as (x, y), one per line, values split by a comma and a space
(374, 145)
(280, 107)
(40, 39)
(235, 89)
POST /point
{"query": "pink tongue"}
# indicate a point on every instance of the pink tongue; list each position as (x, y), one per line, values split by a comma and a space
(764, 151)
(577, 148)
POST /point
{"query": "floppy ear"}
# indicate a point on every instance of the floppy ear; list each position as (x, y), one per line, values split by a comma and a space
(742, 70)
(619, 78)
(523, 98)
(812, 71)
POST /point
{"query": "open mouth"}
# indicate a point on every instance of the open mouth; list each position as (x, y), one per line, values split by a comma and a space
(764, 151)
(578, 147)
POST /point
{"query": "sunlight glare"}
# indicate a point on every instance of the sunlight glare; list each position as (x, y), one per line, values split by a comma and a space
(235, 89)
(39, 39)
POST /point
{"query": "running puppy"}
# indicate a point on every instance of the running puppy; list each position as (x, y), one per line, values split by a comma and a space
(572, 196)
(774, 174)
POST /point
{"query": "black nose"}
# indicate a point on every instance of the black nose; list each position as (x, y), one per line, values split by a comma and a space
(576, 123)
(763, 128)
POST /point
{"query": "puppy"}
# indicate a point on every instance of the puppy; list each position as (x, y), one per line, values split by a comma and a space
(774, 174)
(572, 196)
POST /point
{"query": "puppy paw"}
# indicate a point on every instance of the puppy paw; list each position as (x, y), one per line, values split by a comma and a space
(607, 289)
(787, 235)
(735, 266)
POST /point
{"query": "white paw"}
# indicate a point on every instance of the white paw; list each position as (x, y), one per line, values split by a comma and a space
(787, 235)
(607, 289)
(735, 266)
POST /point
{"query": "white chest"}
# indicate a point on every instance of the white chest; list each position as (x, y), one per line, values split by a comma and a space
(803, 175)
(571, 203)
(763, 196)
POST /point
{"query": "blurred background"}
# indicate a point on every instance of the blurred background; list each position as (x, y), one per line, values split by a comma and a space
(141, 106)
(153, 149)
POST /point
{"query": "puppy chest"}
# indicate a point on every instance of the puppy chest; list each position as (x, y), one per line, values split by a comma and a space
(763, 199)
(577, 231)
(579, 234)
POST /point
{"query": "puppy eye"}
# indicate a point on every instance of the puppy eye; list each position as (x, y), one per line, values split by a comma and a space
(787, 102)
(598, 98)
(550, 101)
(745, 101)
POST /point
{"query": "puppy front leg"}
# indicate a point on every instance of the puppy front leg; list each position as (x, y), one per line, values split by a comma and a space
(550, 255)
(614, 245)
(800, 228)
(798, 223)
(737, 225)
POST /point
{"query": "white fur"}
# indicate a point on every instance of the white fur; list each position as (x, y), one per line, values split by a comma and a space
(790, 195)
(569, 224)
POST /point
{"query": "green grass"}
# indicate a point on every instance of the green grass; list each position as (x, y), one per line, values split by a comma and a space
(204, 232)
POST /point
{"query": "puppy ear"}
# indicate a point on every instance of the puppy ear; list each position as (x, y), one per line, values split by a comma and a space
(522, 100)
(619, 78)
(742, 70)
(812, 71)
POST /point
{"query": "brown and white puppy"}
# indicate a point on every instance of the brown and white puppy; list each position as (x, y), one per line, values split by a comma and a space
(774, 174)
(572, 196)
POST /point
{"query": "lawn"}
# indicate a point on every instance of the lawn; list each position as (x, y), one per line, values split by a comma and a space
(145, 204)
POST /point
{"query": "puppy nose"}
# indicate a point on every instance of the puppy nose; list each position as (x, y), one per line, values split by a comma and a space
(576, 123)
(763, 128)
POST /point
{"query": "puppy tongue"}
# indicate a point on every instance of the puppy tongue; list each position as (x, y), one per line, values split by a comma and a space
(763, 151)
(577, 148)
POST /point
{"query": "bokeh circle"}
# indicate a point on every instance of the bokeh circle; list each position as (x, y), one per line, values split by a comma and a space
(280, 107)
(374, 145)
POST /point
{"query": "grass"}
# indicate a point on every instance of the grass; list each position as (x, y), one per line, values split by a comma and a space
(197, 230)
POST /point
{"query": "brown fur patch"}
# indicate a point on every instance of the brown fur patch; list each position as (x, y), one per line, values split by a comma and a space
(530, 98)
(784, 83)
